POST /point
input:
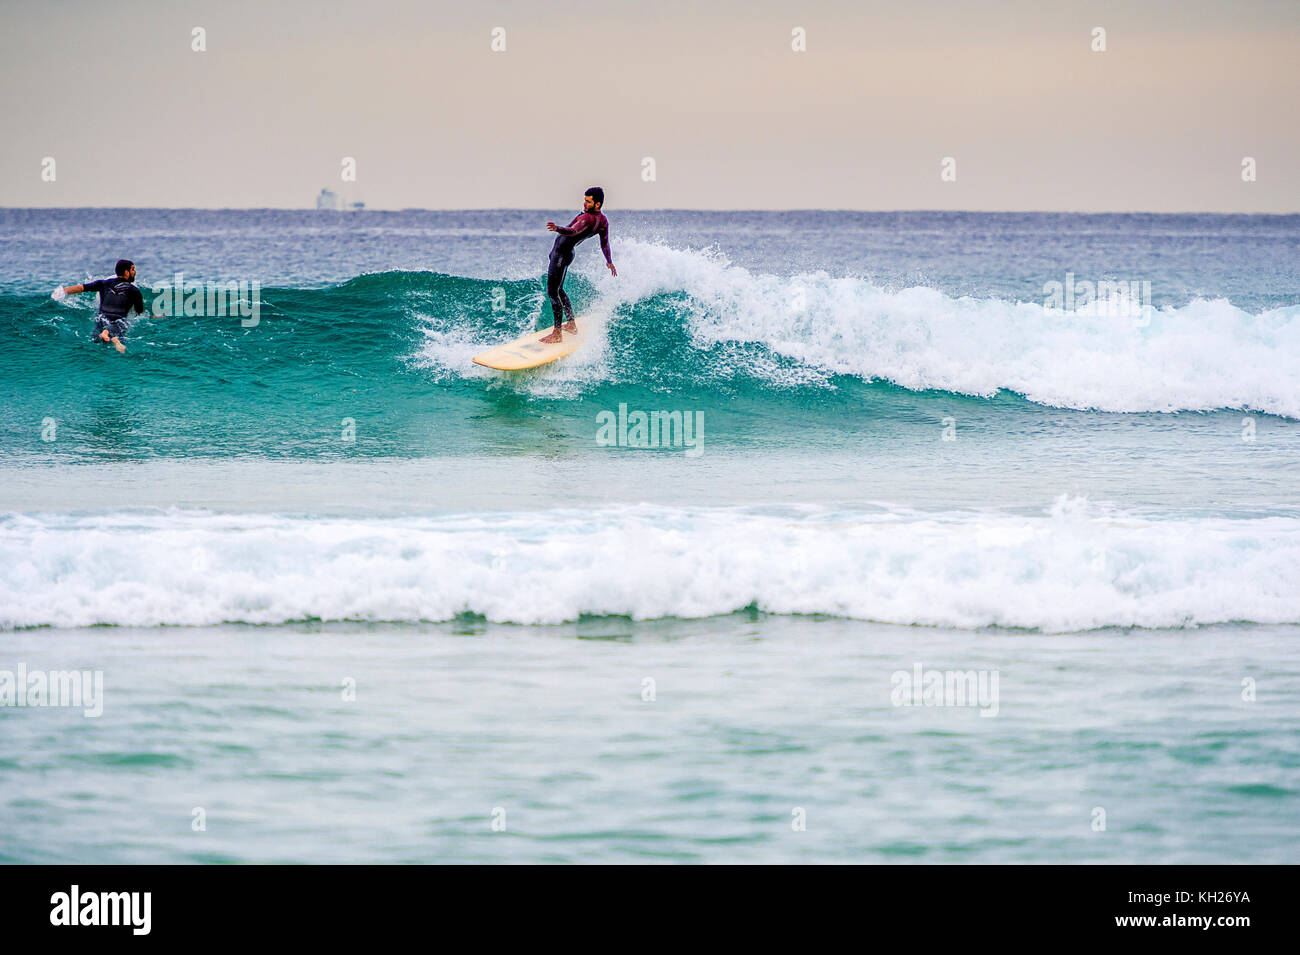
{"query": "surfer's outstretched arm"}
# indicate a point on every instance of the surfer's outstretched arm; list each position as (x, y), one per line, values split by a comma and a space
(568, 229)
(604, 247)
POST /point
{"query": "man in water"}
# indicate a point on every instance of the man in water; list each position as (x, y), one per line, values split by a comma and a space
(117, 296)
(588, 223)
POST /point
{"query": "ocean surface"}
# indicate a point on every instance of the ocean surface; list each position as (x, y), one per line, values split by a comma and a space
(353, 598)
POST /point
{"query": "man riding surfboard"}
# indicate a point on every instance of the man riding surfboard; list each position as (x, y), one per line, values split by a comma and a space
(587, 223)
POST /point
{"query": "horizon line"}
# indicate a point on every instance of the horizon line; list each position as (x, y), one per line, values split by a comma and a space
(344, 212)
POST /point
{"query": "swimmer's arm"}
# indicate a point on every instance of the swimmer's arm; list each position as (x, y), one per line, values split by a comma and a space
(63, 291)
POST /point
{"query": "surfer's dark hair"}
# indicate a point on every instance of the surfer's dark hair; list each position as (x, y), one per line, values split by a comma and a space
(597, 195)
(122, 266)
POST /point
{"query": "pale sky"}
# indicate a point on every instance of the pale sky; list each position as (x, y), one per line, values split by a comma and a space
(712, 91)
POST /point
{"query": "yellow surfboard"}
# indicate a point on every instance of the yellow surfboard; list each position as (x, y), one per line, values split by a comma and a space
(529, 352)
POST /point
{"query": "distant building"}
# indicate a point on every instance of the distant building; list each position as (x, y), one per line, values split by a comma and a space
(329, 200)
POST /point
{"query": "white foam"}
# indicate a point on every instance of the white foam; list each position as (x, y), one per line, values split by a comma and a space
(1074, 567)
(451, 342)
(1202, 356)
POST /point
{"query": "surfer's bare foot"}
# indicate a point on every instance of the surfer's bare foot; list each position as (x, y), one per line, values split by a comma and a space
(121, 349)
(571, 327)
(103, 336)
(551, 339)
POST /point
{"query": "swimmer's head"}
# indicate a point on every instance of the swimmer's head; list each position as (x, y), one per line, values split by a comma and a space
(123, 267)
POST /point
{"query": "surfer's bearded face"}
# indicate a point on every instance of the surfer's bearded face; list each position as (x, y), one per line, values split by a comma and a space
(588, 204)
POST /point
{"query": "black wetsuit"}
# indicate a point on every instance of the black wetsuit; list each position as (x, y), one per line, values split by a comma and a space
(583, 227)
(117, 297)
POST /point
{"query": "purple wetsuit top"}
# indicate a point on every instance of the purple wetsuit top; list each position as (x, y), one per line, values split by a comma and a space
(583, 226)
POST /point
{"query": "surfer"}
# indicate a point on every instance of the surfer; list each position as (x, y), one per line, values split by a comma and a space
(587, 223)
(117, 297)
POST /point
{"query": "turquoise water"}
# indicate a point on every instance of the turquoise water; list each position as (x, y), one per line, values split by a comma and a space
(900, 457)
(753, 718)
